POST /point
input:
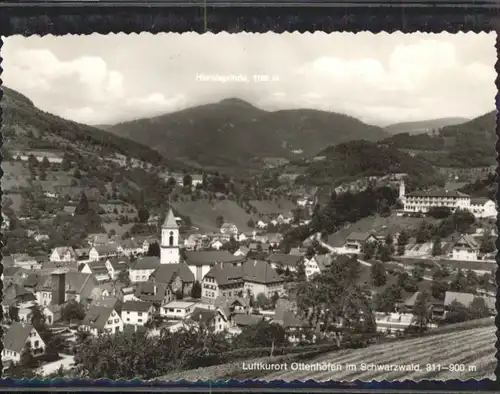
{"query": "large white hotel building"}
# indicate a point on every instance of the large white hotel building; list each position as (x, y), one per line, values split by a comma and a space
(422, 201)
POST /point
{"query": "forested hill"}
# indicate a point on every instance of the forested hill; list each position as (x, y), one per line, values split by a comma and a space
(470, 144)
(356, 159)
(423, 126)
(27, 127)
(233, 133)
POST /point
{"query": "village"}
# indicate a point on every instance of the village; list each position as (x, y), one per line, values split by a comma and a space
(232, 279)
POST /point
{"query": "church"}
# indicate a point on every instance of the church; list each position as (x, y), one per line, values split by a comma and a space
(169, 248)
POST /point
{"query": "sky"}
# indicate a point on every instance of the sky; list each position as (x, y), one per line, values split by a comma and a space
(379, 78)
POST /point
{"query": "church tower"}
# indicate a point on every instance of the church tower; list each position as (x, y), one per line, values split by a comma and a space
(169, 253)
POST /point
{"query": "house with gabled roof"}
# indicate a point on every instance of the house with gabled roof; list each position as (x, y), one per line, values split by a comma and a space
(259, 277)
(294, 325)
(115, 265)
(16, 338)
(222, 280)
(82, 254)
(465, 248)
(16, 296)
(242, 251)
(78, 287)
(96, 268)
(136, 313)
(483, 207)
(354, 241)
(214, 319)
(130, 247)
(285, 262)
(102, 320)
(24, 260)
(100, 252)
(200, 262)
(98, 239)
(63, 254)
(159, 294)
(177, 276)
(141, 269)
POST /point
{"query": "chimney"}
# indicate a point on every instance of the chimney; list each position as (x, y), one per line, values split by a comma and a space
(58, 287)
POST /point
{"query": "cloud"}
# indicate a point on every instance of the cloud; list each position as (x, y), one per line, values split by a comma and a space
(380, 78)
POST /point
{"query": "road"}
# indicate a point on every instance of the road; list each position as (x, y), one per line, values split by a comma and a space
(67, 362)
(365, 263)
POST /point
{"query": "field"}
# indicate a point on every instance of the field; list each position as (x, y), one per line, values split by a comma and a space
(203, 214)
(390, 224)
(473, 348)
(16, 174)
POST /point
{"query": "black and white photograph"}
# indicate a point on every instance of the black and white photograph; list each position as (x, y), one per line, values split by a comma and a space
(249, 206)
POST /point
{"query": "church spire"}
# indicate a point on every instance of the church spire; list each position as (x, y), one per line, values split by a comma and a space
(170, 221)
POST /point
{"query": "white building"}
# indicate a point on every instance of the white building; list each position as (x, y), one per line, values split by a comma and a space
(142, 268)
(423, 201)
(217, 244)
(466, 248)
(483, 207)
(62, 254)
(137, 313)
(102, 320)
(177, 309)
(169, 248)
(16, 338)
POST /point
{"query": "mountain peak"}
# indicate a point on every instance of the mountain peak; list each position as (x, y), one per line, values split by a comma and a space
(235, 101)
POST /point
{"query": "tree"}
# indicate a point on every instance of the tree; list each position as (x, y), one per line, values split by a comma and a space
(32, 163)
(123, 277)
(406, 282)
(378, 274)
(384, 253)
(196, 290)
(369, 249)
(219, 221)
(77, 174)
(436, 247)
(439, 212)
(402, 241)
(422, 310)
(418, 273)
(457, 313)
(301, 271)
(262, 301)
(143, 215)
(45, 164)
(262, 334)
(334, 296)
(459, 283)
(154, 250)
(66, 162)
(82, 208)
(251, 223)
(187, 181)
(478, 308)
(386, 300)
(487, 243)
(424, 233)
(73, 311)
(439, 289)
(42, 174)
